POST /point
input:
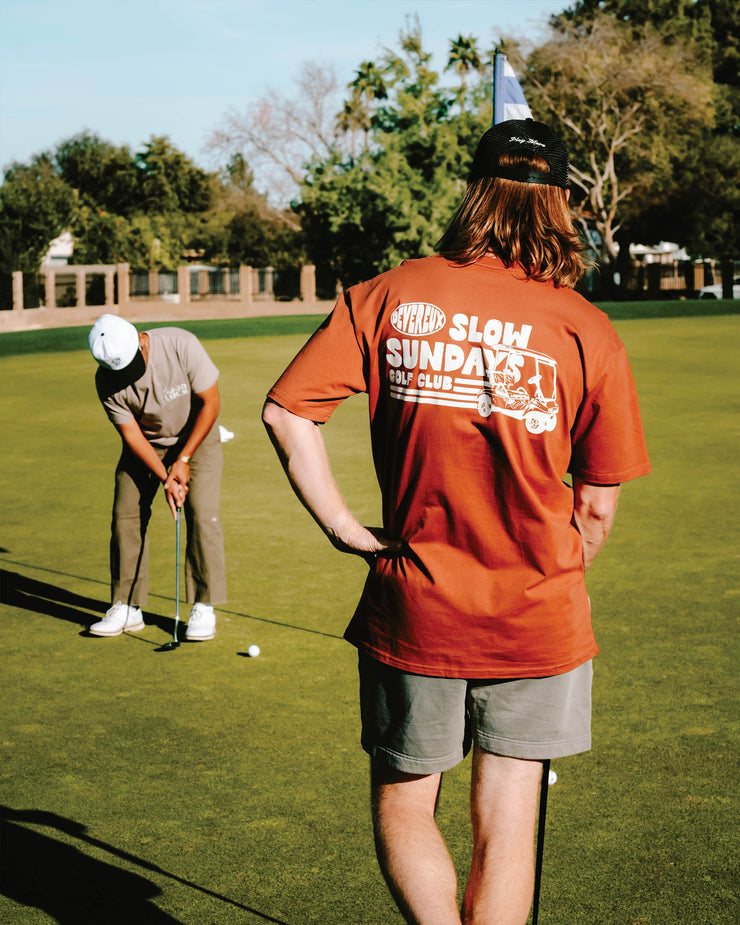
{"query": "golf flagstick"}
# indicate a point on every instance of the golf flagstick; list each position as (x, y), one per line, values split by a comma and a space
(544, 786)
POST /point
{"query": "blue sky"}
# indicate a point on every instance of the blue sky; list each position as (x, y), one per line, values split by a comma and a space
(129, 69)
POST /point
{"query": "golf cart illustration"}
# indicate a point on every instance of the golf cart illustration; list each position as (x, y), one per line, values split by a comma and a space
(523, 386)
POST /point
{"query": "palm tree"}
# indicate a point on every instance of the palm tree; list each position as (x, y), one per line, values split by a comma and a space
(367, 87)
(464, 57)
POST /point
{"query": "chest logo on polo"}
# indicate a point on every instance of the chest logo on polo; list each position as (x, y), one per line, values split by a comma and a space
(485, 366)
(176, 392)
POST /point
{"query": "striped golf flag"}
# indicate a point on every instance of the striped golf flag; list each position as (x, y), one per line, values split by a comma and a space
(508, 99)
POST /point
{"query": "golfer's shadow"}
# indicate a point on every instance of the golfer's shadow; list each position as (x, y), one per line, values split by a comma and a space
(67, 884)
(17, 590)
(77, 889)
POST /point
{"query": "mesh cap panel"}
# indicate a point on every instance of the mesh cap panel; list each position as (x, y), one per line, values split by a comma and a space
(526, 138)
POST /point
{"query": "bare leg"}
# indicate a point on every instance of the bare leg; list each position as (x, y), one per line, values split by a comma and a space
(503, 808)
(411, 851)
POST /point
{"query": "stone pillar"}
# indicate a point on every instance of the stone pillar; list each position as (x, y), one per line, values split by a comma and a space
(183, 284)
(226, 278)
(50, 288)
(308, 283)
(154, 283)
(124, 284)
(17, 291)
(245, 285)
(80, 277)
(109, 275)
(203, 282)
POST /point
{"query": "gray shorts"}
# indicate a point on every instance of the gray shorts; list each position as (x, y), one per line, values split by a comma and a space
(424, 725)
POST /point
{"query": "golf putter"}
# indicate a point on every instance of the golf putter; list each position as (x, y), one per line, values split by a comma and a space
(175, 642)
(540, 840)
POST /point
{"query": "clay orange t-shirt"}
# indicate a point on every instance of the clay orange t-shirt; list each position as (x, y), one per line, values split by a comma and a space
(485, 390)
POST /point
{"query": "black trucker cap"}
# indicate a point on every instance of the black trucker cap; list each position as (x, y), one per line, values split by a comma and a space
(527, 138)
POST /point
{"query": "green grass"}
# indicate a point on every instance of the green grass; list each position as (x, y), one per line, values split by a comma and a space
(670, 308)
(201, 786)
(61, 340)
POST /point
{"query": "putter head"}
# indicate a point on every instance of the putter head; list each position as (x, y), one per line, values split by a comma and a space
(168, 646)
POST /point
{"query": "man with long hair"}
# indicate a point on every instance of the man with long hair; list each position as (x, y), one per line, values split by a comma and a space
(503, 418)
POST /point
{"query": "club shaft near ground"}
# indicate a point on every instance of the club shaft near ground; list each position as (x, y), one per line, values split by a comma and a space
(177, 571)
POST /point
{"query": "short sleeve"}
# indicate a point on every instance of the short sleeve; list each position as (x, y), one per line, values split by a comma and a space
(608, 439)
(329, 368)
(113, 402)
(202, 372)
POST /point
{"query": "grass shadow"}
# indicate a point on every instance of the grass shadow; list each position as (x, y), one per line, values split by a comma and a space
(40, 597)
(18, 590)
(67, 884)
(74, 888)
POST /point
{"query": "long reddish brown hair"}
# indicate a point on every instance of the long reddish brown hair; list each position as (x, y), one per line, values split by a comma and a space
(524, 224)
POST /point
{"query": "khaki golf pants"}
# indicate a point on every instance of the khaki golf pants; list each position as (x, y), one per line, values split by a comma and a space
(135, 488)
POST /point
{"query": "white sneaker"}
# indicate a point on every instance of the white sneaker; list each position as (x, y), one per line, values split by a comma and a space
(118, 618)
(202, 623)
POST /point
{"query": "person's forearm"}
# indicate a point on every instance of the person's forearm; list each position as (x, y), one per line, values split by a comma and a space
(138, 444)
(302, 452)
(593, 514)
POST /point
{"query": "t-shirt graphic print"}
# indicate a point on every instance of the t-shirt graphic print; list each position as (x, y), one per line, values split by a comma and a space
(485, 366)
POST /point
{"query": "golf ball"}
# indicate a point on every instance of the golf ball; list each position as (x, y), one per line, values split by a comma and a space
(552, 778)
(253, 651)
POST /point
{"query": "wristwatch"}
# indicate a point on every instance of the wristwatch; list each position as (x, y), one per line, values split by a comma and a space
(185, 459)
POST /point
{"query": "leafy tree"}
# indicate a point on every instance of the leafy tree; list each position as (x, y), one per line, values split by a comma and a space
(143, 241)
(369, 85)
(103, 175)
(365, 214)
(170, 182)
(464, 58)
(242, 227)
(630, 104)
(36, 206)
(146, 209)
(697, 202)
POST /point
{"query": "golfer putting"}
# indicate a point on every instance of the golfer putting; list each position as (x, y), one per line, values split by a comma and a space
(160, 390)
(490, 382)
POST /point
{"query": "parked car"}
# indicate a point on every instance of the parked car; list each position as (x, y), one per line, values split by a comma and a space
(715, 292)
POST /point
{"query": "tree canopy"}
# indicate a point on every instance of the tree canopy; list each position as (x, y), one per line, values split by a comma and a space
(644, 93)
(695, 200)
(147, 208)
(357, 178)
(365, 212)
(630, 106)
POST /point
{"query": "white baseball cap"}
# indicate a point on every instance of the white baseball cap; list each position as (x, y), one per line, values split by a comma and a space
(114, 342)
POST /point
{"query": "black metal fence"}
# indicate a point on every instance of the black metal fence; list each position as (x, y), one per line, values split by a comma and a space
(214, 284)
(145, 284)
(217, 284)
(677, 280)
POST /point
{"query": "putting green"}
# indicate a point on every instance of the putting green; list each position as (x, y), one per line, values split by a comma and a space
(200, 785)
